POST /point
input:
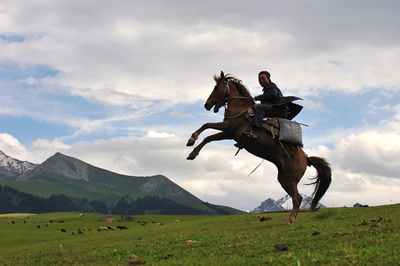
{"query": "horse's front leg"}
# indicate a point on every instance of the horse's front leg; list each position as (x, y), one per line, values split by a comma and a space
(196, 150)
(195, 135)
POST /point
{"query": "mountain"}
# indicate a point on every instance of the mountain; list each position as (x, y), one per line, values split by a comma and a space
(269, 205)
(60, 164)
(12, 167)
(284, 203)
(67, 176)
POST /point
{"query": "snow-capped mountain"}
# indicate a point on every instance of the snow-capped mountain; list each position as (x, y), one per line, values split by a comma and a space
(269, 205)
(285, 203)
(10, 166)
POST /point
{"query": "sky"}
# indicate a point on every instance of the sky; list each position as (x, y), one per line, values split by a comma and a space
(121, 85)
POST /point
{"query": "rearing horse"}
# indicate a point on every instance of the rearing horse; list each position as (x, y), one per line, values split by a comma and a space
(290, 159)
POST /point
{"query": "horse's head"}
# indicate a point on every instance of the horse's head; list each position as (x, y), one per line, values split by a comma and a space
(219, 95)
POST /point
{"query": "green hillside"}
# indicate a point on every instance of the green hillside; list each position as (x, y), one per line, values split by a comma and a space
(108, 187)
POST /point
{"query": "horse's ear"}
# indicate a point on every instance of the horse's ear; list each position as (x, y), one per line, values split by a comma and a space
(222, 75)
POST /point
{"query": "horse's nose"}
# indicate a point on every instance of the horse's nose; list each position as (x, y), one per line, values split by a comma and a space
(208, 106)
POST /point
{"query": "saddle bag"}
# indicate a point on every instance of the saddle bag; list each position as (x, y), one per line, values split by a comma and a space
(290, 131)
(286, 130)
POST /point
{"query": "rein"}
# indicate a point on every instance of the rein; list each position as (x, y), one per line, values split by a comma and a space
(242, 112)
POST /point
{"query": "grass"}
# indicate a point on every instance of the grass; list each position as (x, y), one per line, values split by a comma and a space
(338, 236)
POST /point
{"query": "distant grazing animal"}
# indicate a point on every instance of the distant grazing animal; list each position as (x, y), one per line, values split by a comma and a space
(281, 247)
(47, 224)
(122, 227)
(63, 230)
(61, 221)
(290, 160)
(315, 233)
(112, 228)
(262, 218)
(13, 222)
(81, 215)
(38, 226)
(102, 229)
(73, 233)
(177, 221)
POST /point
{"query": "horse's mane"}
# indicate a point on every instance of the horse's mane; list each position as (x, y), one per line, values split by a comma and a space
(242, 89)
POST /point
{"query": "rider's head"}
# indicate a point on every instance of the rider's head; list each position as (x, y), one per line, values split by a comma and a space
(264, 78)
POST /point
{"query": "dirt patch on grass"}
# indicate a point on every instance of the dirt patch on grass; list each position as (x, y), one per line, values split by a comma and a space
(107, 219)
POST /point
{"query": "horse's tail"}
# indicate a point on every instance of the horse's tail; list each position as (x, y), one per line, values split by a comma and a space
(322, 179)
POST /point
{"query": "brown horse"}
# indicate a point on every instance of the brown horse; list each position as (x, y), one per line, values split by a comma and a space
(290, 160)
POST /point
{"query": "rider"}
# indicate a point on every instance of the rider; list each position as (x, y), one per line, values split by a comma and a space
(273, 104)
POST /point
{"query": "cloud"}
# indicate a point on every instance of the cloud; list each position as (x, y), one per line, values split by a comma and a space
(316, 106)
(179, 114)
(53, 145)
(120, 84)
(112, 56)
(10, 145)
(154, 134)
(379, 150)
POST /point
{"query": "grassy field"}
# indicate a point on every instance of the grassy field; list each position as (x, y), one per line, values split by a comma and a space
(338, 236)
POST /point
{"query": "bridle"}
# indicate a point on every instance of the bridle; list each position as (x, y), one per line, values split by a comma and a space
(225, 97)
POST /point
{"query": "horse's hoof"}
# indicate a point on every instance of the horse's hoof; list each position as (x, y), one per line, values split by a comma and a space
(191, 157)
(190, 142)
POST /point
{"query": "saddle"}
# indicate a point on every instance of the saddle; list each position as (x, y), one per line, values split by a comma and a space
(284, 129)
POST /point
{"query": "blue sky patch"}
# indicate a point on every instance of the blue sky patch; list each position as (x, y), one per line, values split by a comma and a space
(12, 38)
(12, 72)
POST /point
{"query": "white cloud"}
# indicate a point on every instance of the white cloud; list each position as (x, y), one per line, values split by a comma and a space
(113, 56)
(154, 134)
(12, 147)
(112, 65)
(53, 145)
(370, 152)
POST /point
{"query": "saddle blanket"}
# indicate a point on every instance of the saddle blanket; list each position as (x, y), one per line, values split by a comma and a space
(284, 129)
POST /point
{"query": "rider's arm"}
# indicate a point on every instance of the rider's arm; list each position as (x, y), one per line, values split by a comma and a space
(271, 92)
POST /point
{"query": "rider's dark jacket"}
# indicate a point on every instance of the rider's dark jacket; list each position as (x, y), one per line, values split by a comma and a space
(273, 96)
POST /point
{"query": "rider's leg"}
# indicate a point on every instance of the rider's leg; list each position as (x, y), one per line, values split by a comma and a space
(262, 111)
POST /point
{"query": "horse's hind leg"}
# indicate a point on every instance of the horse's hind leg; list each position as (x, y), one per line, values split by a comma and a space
(289, 184)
